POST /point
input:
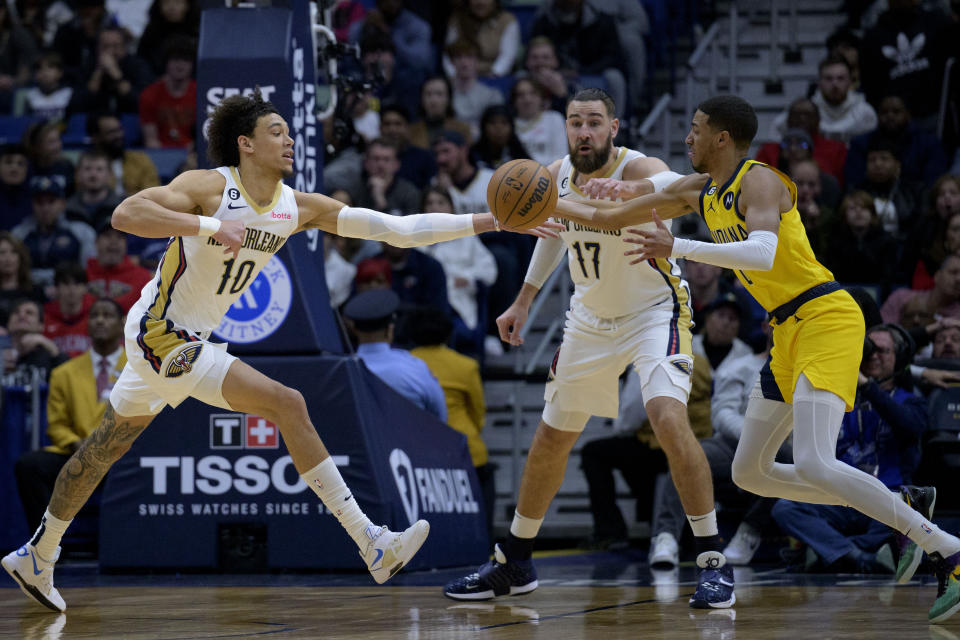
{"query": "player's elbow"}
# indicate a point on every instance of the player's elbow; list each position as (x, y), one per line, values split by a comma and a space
(123, 216)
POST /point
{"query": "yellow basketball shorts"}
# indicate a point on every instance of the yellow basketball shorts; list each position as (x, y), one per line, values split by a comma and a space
(822, 340)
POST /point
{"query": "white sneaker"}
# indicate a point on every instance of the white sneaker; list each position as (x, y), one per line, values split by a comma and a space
(664, 551)
(34, 575)
(744, 544)
(387, 552)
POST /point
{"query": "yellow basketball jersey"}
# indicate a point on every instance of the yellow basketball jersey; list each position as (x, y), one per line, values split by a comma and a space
(795, 269)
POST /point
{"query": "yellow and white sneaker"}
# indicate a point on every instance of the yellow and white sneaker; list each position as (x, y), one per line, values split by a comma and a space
(34, 575)
(387, 552)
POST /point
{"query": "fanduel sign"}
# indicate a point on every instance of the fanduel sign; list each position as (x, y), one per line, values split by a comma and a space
(431, 490)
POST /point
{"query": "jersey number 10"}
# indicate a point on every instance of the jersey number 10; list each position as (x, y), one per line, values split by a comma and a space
(240, 280)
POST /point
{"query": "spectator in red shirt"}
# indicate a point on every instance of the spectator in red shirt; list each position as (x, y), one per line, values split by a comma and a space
(111, 274)
(168, 107)
(829, 154)
(65, 317)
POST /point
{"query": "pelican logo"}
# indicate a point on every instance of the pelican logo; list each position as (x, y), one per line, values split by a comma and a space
(728, 199)
(183, 362)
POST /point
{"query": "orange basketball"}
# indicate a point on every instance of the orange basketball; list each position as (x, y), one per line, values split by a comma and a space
(522, 194)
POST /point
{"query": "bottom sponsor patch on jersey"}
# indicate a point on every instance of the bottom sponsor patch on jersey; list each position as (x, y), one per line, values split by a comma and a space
(683, 365)
(183, 362)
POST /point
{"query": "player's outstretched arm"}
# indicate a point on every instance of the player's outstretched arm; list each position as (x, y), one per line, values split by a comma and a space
(640, 177)
(320, 212)
(181, 208)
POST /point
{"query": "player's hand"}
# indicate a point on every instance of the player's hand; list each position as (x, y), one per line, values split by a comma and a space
(231, 235)
(605, 188)
(941, 377)
(548, 229)
(511, 322)
(652, 244)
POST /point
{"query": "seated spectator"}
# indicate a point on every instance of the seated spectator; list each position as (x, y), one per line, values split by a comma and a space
(338, 273)
(636, 453)
(843, 113)
(795, 150)
(931, 237)
(79, 392)
(49, 97)
(343, 149)
(392, 84)
(345, 14)
(542, 65)
(111, 273)
(95, 198)
(586, 43)
(633, 25)
(29, 348)
(914, 309)
(417, 278)
(411, 35)
(49, 236)
(359, 106)
(416, 163)
(15, 200)
(920, 153)
(436, 111)
(378, 186)
(459, 377)
(707, 283)
(470, 96)
(134, 170)
(65, 316)
(494, 32)
(541, 130)
(45, 149)
(896, 199)
(114, 80)
(844, 43)
(18, 51)
(881, 436)
(16, 283)
(733, 383)
(373, 273)
(168, 107)
(468, 264)
(718, 341)
(168, 20)
(945, 353)
(76, 39)
(498, 142)
(858, 249)
(804, 115)
(370, 317)
(816, 215)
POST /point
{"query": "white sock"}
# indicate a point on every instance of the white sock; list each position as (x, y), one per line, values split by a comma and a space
(524, 527)
(328, 484)
(48, 534)
(705, 525)
(931, 538)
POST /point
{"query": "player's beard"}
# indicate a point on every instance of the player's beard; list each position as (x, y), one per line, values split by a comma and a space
(593, 160)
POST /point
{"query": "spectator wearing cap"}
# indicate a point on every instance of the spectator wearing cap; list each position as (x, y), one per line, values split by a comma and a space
(804, 114)
(29, 348)
(15, 201)
(377, 186)
(370, 316)
(168, 107)
(416, 163)
(79, 391)
(436, 113)
(470, 96)
(65, 316)
(95, 197)
(133, 171)
(115, 78)
(111, 273)
(49, 236)
(718, 341)
(896, 198)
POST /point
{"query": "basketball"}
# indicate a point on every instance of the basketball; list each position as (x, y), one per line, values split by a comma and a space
(522, 194)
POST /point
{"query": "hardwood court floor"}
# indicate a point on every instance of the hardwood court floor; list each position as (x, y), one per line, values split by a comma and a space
(575, 601)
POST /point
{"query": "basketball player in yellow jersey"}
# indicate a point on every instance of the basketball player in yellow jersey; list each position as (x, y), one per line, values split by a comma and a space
(239, 212)
(810, 379)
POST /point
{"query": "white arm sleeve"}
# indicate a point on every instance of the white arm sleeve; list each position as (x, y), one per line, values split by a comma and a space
(403, 231)
(547, 254)
(664, 179)
(756, 253)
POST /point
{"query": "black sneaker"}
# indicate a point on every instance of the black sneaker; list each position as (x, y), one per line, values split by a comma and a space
(920, 499)
(499, 577)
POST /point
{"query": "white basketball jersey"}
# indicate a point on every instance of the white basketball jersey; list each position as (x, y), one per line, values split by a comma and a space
(606, 282)
(196, 282)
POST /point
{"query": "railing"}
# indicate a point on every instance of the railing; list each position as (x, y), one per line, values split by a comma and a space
(945, 96)
(774, 83)
(659, 113)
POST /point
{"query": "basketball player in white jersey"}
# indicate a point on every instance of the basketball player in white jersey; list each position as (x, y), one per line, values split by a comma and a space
(618, 316)
(224, 225)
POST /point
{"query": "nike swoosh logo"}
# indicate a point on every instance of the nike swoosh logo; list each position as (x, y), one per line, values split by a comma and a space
(377, 559)
(725, 583)
(36, 571)
(230, 206)
(698, 519)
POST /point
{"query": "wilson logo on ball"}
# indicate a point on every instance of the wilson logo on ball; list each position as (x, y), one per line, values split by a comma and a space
(542, 185)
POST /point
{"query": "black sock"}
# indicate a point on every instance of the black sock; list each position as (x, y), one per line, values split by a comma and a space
(518, 549)
(708, 543)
